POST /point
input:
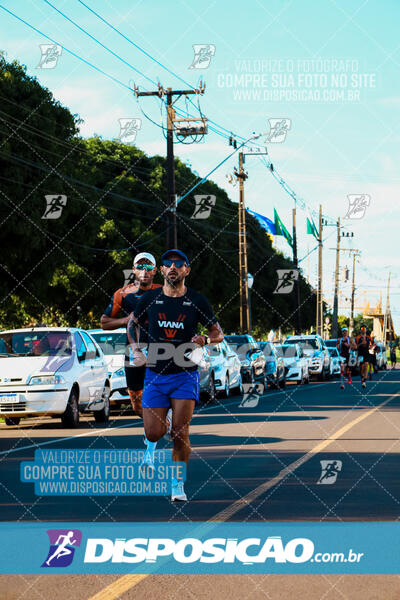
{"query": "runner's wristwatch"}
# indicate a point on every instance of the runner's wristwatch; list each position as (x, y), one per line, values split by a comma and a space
(206, 339)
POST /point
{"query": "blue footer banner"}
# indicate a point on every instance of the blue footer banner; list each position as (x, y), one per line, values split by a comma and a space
(196, 548)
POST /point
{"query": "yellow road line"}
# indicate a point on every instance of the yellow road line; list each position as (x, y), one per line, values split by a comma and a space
(118, 587)
(126, 582)
(263, 487)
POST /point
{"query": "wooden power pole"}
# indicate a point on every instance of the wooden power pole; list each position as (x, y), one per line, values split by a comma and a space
(244, 288)
(320, 304)
(336, 293)
(353, 290)
(172, 232)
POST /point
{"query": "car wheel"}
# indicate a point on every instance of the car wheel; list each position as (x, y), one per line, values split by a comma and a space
(226, 389)
(12, 421)
(322, 377)
(103, 415)
(211, 392)
(265, 380)
(70, 417)
(240, 388)
(282, 384)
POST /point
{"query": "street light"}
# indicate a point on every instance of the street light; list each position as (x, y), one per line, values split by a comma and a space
(250, 281)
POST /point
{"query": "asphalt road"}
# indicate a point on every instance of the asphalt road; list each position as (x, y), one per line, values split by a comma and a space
(247, 464)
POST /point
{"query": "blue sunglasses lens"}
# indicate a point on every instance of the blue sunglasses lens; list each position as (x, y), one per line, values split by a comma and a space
(178, 263)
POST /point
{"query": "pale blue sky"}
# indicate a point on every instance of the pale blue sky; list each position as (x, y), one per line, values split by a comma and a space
(336, 145)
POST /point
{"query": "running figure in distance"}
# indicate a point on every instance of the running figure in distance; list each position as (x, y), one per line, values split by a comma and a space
(393, 358)
(363, 342)
(344, 345)
(171, 387)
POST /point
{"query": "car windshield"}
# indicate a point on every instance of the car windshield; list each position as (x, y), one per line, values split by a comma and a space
(333, 351)
(286, 351)
(111, 343)
(305, 343)
(330, 343)
(36, 343)
(236, 339)
(266, 348)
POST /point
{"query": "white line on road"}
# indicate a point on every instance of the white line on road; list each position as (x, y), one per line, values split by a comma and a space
(138, 423)
(238, 505)
(126, 582)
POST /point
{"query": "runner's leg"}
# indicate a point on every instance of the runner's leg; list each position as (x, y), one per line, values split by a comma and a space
(136, 401)
(342, 372)
(182, 412)
(154, 422)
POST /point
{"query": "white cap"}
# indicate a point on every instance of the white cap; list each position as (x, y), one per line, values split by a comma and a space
(145, 255)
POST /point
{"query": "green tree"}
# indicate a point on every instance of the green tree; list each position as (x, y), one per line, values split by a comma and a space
(65, 270)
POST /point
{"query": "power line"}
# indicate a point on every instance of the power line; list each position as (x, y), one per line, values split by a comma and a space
(72, 146)
(133, 246)
(104, 72)
(133, 44)
(76, 181)
(98, 42)
(66, 49)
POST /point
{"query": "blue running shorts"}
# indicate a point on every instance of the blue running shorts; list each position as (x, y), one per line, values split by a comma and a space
(159, 389)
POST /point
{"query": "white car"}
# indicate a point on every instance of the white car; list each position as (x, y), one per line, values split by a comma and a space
(113, 345)
(381, 356)
(227, 368)
(313, 346)
(295, 361)
(336, 361)
(52, 371)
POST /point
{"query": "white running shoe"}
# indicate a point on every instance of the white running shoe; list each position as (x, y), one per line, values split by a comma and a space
(168, 418)
(178, 493)
(148, 457)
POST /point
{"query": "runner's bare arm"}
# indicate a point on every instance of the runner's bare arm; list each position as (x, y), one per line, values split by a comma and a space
(215, 334)
(112, 323)
(132, 331)
(133, 334)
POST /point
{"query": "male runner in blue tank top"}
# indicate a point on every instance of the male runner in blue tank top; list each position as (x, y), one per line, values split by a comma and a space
(171, 387)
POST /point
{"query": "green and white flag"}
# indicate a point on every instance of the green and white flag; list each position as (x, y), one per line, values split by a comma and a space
(311, 227)
(281, 229)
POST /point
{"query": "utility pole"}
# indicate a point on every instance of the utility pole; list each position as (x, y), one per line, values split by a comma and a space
(336, 294)
(319, 323)
(297, 284)
(353, 289)
(244, 287)
(171, 235)
(241, 176)
(386, 315)
(172, 231)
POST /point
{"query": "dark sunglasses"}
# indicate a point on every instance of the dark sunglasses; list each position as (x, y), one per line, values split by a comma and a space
(144, 267)
(177, 262)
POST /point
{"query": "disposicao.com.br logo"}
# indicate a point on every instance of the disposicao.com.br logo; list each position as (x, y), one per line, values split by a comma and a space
(247, 551)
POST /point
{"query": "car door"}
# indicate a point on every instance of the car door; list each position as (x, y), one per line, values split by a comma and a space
(96, 364)
(204, 370)
(84, 372)
(279, 368)
(233, 364)
(257, 357)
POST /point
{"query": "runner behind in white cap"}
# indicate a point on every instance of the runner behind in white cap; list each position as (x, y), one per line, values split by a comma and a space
(116, 315)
